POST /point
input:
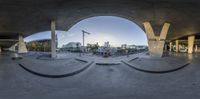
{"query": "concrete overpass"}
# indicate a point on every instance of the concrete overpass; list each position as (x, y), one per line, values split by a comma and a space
(25, 17)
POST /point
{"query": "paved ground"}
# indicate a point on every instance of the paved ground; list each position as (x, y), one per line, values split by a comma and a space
(100, 82)
(51, 66)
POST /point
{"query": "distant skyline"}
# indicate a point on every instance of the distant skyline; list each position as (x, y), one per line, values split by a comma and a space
(116, 30)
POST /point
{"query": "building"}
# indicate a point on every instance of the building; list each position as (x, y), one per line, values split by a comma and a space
(141, 47)
(132, 46)
(106, 50)
(125, 46)
(72, 46)
(106, 44)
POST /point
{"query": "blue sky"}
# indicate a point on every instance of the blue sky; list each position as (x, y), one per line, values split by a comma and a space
(116, 30)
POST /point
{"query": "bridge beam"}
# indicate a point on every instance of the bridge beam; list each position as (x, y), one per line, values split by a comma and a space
(156, 43)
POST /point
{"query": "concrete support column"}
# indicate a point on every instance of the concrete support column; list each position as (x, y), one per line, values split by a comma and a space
(165, 47)
(12, 48)
(53, 39)
(196, 48)
(21, 45)
(170, 46)
(191, 44)
(156, 43)
(177, 46)
(0, 49)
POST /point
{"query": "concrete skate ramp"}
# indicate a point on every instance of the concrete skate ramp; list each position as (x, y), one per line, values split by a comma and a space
(46, 69)
(157, 65)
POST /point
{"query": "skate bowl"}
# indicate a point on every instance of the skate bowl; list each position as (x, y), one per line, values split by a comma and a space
(50, 69)
(157, 65)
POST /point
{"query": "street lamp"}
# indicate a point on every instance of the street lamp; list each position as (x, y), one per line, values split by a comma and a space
(84, 32)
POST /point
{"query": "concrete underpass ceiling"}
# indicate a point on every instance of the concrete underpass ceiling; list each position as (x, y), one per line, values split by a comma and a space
(7, 44)
(26, 17)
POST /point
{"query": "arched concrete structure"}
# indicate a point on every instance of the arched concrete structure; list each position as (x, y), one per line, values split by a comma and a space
(25, 17)
(29, 16)
(105, 14)
(53, 27)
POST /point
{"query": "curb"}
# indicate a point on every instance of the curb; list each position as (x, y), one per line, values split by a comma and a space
(133, 59)
(17, 58)
(57, 76)
(108, 63)
(155, 72)
(82, 60)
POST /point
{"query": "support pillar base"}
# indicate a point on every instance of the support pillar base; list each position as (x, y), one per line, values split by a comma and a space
(156, 48)
(22, 46)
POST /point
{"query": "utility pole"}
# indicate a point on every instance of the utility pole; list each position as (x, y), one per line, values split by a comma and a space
(84, 32)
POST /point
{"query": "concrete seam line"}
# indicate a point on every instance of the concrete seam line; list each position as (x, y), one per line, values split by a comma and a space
(133, 59)
(156, 72)
(57, 76)
(81, 60)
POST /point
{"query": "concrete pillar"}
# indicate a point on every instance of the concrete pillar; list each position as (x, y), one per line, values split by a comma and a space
(165, 48)
(12, 48)
(196, 48)
(0, 49)
(170, 46)
(191, 44)
(53, 39)
(177, 45)
(156, 43)
(21, 45)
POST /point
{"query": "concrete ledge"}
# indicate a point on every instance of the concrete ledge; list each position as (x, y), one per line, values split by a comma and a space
(16, 58)
(133, 59)
(147, 70)
(82, 60)
(59, 75)
(108, 63)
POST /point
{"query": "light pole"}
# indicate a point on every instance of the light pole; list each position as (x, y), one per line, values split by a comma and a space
(84, 32)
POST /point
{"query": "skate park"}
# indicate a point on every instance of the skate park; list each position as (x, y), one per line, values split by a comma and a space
(168, 69)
